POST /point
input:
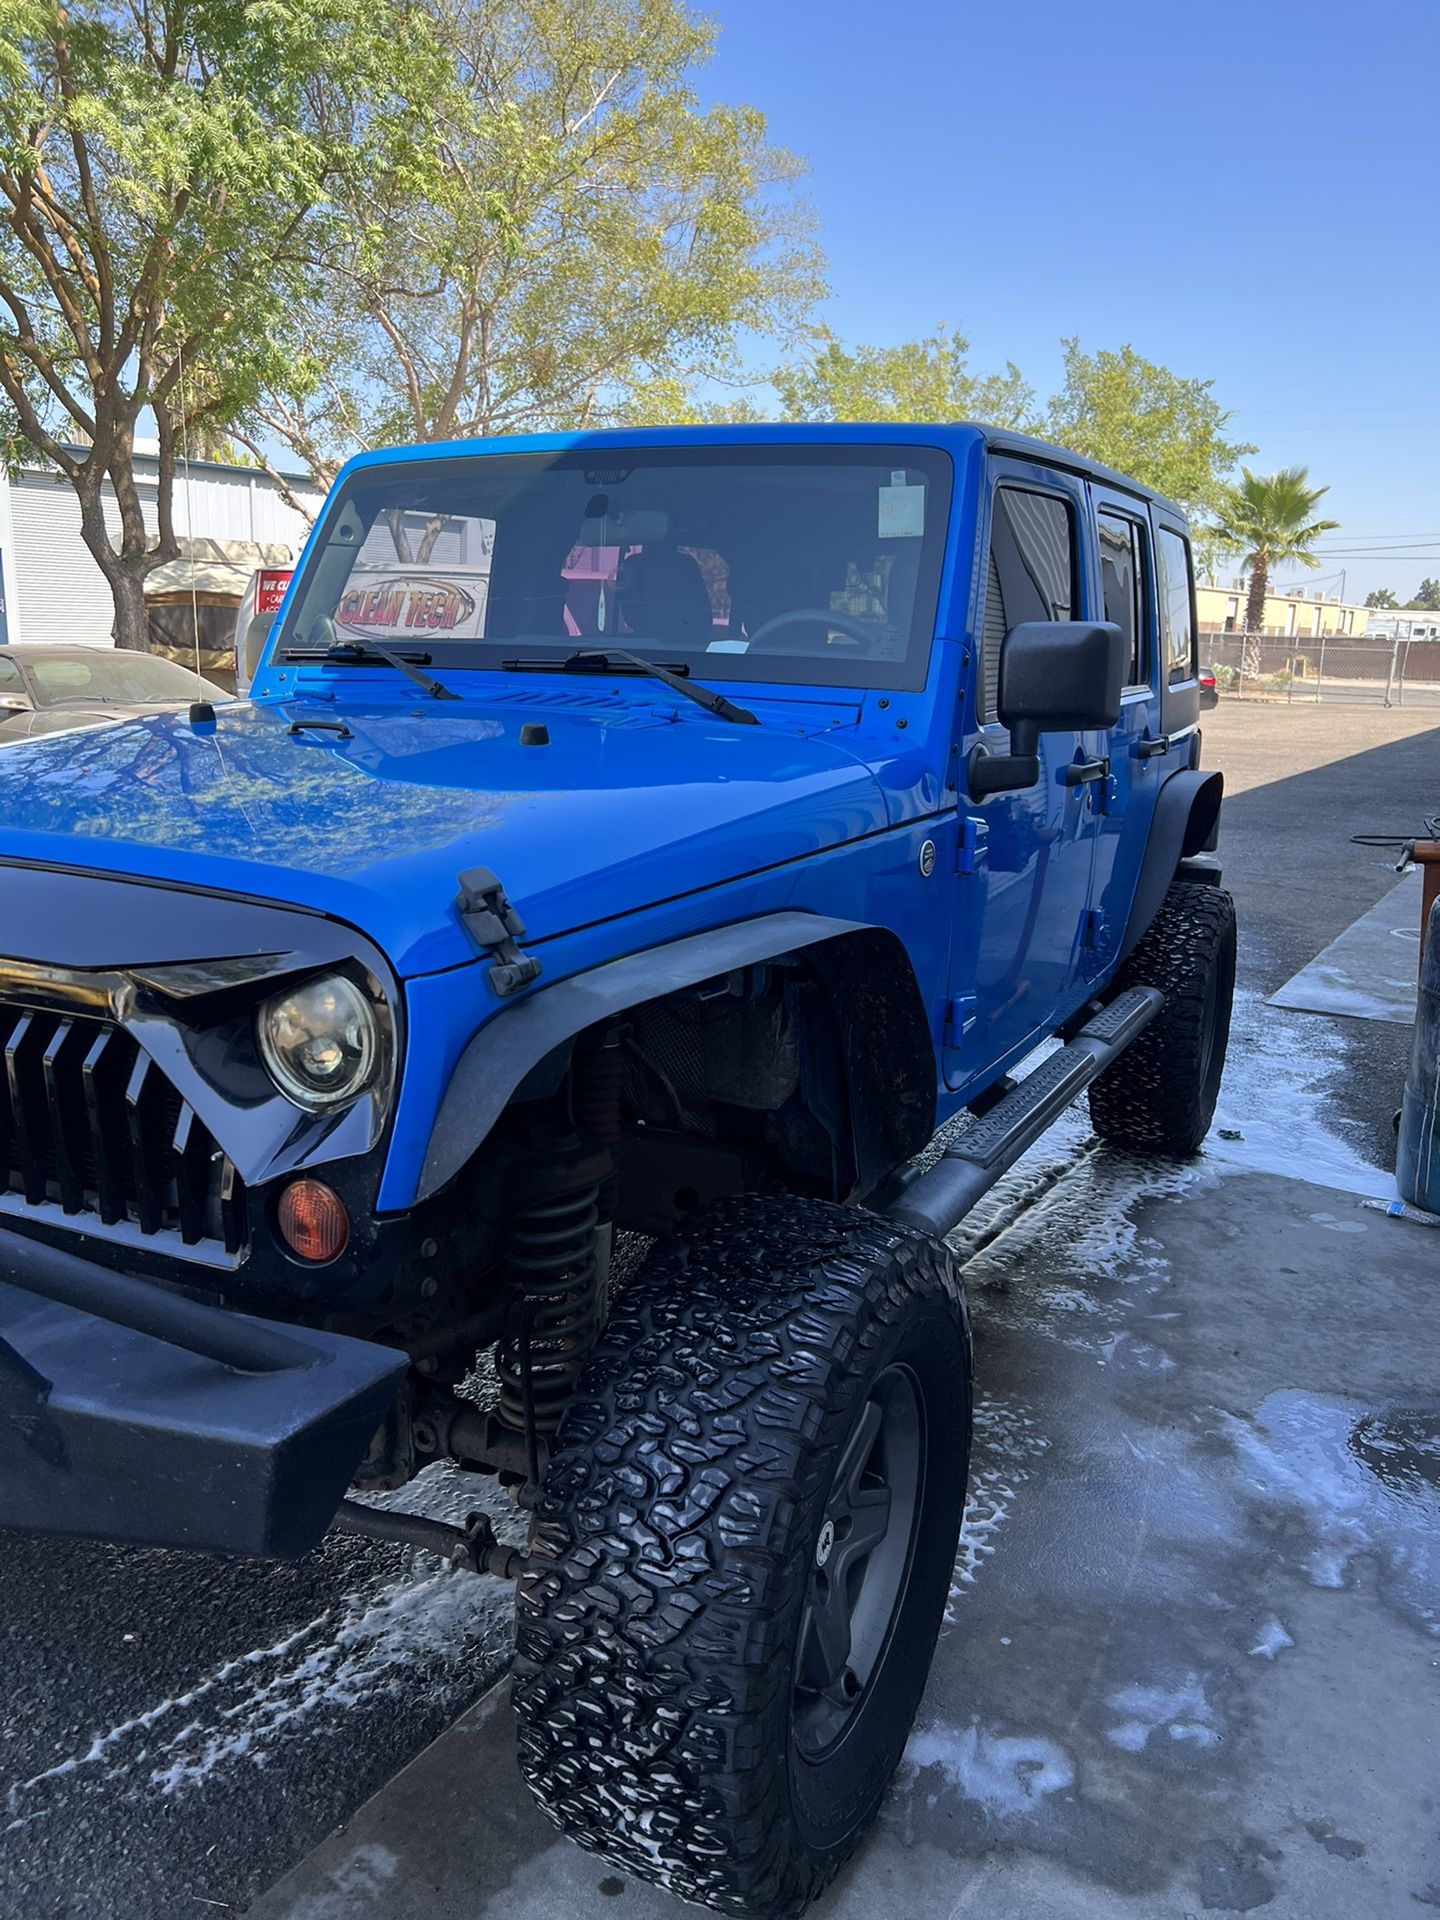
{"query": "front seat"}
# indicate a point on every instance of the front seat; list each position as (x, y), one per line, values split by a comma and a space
(662, 596)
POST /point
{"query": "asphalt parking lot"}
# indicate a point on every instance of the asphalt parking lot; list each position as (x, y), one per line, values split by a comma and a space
(175, 1734)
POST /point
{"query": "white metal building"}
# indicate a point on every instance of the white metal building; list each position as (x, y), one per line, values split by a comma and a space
(50, 588)
(1406, 624)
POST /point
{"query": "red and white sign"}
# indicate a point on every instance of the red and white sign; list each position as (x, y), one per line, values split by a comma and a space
(401, 604)
(271, 586)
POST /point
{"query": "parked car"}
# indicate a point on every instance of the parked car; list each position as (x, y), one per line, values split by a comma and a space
(658, 832)
(57, 689)
(1209, 691)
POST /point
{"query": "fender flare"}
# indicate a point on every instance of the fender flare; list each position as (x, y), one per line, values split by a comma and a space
(1185, 822)
(516, 1040)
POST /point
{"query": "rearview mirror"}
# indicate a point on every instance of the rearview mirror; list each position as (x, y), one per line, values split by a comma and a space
(622, 527)
(1056, 676)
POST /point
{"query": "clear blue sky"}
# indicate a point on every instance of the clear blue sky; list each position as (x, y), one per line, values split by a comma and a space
(1023, 169)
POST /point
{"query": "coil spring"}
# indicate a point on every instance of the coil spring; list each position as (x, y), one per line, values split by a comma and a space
(553, 1268)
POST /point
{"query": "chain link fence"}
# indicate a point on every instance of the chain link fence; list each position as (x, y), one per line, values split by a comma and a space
(1375, 670)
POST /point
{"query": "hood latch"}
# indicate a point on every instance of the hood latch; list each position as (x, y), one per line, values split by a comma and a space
(495, 926)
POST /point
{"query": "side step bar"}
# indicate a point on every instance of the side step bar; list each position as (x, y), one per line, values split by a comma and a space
(938, 1199)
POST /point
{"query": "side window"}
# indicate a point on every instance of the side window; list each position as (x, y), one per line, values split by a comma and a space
(1122, 572)
(1031, 574)
(1177, 626)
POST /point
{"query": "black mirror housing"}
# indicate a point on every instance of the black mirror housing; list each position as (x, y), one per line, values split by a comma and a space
(1056, 676)
(1059, 676)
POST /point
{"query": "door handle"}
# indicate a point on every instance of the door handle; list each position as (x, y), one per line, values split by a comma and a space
(1079, 771)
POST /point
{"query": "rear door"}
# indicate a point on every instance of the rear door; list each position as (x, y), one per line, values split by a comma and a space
(1023, 890)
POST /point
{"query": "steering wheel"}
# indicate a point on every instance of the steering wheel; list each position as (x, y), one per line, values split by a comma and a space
(811, 617)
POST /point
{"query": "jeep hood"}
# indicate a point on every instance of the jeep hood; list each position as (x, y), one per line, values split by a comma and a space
(629, 804)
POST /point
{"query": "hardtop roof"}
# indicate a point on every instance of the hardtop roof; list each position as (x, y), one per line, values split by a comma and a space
(950, 434)
(1004, 440)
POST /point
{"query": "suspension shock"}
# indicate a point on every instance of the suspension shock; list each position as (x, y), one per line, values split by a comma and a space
(555, 1272)
(596, 1109)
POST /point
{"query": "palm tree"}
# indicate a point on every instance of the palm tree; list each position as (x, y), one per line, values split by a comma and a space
(1269, 519)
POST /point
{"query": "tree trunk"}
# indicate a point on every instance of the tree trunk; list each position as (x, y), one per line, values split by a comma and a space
(130, 628)
(1255, 614)
(124, 575)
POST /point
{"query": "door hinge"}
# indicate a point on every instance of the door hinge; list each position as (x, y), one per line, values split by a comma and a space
(495, 926)
(959, 1018)
(1092, 929)
(970, 847)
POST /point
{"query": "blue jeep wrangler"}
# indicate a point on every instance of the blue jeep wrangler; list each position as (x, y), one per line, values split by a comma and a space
(661, 833)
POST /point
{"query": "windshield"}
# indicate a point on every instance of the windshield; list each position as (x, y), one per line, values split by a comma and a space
(818, 565)
(117, 679)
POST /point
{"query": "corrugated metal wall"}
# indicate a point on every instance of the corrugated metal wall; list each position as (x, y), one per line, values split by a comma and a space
(56, 589)
(237, 503)
(62, 594)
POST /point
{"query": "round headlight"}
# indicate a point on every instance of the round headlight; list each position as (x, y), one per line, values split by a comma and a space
(321, 1042)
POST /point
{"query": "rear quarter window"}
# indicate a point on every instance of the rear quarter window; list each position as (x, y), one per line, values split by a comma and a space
(1177, 606)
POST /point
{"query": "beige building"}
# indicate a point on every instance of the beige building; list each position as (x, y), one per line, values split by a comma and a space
(1293, 615)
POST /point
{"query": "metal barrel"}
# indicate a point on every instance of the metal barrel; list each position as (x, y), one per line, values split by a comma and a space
(1417, 1168)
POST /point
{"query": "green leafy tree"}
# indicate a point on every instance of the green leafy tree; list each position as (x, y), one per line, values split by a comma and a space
(1381, 597)
(1145, 421)
(1270, 521)
(1427, 600)
(673, 402)
(161, 164)
(593, 246)
(923, 380)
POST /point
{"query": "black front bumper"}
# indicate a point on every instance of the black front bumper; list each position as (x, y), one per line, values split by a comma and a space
(130, 1413)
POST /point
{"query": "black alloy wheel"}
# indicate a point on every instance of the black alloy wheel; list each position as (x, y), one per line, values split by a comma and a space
(861, 1562)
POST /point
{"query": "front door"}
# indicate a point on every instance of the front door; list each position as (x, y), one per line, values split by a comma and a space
(1134, 753)
(1023, 890)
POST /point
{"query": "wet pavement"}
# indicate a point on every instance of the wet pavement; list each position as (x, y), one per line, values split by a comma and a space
(1190, 1656)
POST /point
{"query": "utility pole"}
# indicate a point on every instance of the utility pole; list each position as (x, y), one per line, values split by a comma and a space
(1394, 656)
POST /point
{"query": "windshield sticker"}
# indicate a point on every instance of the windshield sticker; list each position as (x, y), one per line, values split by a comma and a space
(397, 605)
(728, 646)
(902, 510)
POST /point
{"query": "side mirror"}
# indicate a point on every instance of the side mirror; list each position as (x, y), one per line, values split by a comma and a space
(1056, 676)
(15, 703)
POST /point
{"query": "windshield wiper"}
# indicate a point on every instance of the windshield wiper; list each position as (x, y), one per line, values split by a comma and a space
(356, 653)
(620, 660)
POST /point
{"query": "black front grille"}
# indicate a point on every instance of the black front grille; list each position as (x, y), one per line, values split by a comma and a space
(90, 1124)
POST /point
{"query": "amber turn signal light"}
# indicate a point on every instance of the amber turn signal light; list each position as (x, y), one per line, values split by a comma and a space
(313, 1221)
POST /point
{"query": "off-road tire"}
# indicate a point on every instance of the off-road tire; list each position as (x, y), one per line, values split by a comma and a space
(1159, 1096)
(677, 1535)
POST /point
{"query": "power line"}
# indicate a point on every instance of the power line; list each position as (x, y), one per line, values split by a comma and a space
(1407, 552)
